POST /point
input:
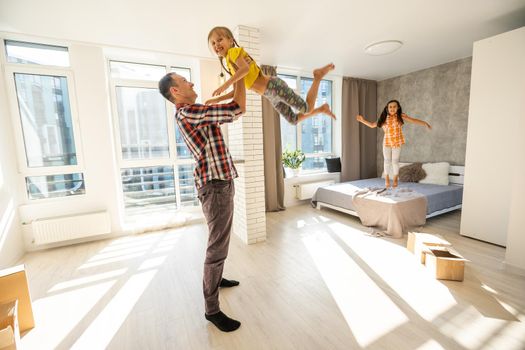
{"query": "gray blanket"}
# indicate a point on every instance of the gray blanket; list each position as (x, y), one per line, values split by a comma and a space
(394, 210)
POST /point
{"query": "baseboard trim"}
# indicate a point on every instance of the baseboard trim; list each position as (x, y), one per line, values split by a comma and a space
(514, 269)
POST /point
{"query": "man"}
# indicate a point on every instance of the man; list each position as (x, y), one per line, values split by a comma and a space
(214, 174)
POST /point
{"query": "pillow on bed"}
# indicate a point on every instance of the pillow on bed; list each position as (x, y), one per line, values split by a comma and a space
(412, 173)
(437, 173)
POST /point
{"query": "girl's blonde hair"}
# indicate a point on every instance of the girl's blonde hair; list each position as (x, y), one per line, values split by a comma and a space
(227, 33)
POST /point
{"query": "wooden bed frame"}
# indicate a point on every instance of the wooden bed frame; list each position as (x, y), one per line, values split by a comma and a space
(456, 175)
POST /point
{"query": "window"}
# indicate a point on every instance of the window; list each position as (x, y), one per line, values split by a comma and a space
(52, 186)
(148, 189)
(136, 71)
(314, 135)
(143, 123)
(46, 125)
(43, 103)
(156, 166)
(32, 53)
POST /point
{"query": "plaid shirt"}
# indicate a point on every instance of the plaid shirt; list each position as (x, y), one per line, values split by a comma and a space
(199, 126)
(393, 132)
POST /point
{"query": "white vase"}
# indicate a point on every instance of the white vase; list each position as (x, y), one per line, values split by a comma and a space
(296, 172)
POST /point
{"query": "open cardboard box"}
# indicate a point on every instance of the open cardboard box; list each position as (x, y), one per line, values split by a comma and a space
(13, 285)
(445, 264)
(9, 331)
(419, 243)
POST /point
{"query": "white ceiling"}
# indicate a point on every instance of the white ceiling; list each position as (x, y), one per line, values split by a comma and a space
(294, 33)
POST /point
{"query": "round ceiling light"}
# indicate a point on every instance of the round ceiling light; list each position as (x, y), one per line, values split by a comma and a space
(383, 47)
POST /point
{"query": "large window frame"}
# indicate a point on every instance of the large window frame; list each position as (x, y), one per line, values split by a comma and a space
(172, 159)
(298, 127)
(12, 68)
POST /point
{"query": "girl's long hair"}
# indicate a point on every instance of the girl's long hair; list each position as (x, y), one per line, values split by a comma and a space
(384, 114)
(227, 33)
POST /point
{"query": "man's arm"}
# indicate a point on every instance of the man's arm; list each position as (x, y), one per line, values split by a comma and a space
(203, 115)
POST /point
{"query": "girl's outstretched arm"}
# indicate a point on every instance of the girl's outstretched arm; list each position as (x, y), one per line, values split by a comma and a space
(361, 119)
(415, 121)
(219, 98)
(242, 71)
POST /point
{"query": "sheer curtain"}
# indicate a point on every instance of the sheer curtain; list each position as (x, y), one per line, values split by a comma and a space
(358, 142)
(273, 168)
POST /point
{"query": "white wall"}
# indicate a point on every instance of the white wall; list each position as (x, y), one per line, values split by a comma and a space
(11, 246)
(493, 204)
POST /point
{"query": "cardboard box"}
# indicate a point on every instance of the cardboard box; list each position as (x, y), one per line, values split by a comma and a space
(445, 264)
(9, 331)
(13, 285)
(419, 243)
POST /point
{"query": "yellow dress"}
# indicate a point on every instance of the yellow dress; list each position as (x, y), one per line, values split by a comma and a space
(231, 57)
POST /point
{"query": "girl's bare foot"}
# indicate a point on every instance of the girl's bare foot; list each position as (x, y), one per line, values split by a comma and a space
(325, 108)
(387, 182)
(395, 182)
(319, 73)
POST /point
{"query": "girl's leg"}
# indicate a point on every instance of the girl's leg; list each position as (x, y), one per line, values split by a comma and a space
(319, 74)
(287, 112)
(278, 91)
(387, 165)
(395, 164)
(311, 96)
(283, 98)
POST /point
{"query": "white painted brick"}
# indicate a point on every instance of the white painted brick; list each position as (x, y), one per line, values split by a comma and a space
(244, 38)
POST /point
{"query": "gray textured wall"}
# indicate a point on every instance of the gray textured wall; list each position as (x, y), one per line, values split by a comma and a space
(438, 95)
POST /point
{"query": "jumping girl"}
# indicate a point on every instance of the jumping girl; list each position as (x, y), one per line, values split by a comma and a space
(391, 120)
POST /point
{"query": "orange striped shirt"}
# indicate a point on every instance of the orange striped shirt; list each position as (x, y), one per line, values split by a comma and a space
(393, 132)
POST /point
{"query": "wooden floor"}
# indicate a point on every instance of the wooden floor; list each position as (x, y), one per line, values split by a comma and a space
(319, 282)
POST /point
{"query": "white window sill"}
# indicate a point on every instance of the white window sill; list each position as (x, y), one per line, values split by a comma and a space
(308, 176)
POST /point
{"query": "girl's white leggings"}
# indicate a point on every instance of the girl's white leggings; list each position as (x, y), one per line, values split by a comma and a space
(391, 157)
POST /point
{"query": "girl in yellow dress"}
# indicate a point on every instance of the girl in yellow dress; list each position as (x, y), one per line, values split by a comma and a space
(241, 66)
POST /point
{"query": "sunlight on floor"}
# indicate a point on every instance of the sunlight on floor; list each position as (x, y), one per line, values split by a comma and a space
(471, 329)
(489, 289)
(78, 282)
(398, 268)
(431, 345)
(57, 315)
(111, 260)
(476, 331)
(94, 302)
(368, 311)
(126, 248)
(100, 332)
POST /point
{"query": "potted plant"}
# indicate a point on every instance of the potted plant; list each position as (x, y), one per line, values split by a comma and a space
(293, 160)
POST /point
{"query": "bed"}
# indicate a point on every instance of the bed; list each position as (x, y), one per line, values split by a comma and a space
(438, 199)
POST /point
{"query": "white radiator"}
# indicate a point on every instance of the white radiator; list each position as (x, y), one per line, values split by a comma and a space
(307, 190)
(65, 228)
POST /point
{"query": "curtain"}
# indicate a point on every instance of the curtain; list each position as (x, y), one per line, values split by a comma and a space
(358, 142)
(273, 168)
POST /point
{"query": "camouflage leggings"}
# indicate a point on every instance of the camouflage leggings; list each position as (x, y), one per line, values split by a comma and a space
(283, 98)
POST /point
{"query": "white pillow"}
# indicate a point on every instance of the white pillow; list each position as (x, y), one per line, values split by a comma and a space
(437, 173)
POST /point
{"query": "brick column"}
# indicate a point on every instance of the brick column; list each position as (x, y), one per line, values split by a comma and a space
(246, 142)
